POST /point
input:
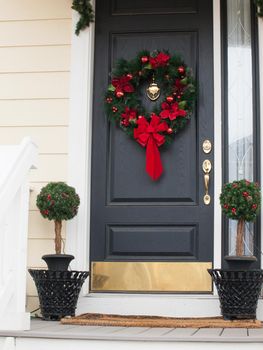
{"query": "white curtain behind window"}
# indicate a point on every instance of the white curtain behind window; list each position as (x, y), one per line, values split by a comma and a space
(240, 99)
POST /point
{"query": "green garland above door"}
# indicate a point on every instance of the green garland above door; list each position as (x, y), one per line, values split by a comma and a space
(86, 12)
(87, 16)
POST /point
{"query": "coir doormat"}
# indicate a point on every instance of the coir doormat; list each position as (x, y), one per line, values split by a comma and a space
(92, 319)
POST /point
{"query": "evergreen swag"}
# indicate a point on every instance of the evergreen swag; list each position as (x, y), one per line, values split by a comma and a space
(85, 10)
(240, 200)
(178, 93)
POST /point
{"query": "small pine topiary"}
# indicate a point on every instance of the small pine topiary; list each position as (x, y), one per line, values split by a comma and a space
(240, 200)
(58, 201)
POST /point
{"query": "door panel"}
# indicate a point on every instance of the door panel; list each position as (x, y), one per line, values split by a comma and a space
(175, 242)
(134, 219)
(138, 7)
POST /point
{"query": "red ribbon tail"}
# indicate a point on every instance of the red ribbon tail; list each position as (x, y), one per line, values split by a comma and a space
(153, 160)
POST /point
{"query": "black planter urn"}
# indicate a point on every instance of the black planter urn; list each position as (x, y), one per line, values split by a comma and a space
(238, 292)
(58, 291)
(57, 262)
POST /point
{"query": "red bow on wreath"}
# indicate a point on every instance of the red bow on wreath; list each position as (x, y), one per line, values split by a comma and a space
(148, 135)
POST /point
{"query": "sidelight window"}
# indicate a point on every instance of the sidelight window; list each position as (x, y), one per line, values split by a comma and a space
(241, 154)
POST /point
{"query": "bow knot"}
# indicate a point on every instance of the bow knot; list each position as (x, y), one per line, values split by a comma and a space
(147, 134)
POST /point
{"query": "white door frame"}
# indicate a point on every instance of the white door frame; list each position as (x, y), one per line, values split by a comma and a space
(79, 175)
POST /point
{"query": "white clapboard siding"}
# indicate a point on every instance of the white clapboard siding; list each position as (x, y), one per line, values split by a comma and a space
(14, 10)
(35, 44)
(31, 33)
(32, 303)
(30, 286)
(35, 188)
(34, 59)
(40, 228)
(34, 85)
(34, 112)
(37, 248)
(48, 139)
(51, 167)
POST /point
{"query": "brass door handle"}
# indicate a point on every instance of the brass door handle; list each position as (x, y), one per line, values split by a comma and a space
(207, 166)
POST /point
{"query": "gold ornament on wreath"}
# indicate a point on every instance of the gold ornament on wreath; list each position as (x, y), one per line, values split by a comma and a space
(153, 91)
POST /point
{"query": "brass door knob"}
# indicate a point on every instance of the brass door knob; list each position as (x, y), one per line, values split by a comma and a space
(207, 166)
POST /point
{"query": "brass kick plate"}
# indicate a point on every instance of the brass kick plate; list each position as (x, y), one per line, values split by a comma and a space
(150, 276)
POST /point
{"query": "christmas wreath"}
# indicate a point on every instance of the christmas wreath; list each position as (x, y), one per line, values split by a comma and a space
(167, 77)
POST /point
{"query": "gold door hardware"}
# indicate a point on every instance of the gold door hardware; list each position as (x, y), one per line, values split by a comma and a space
(207, 166)
(207, 146)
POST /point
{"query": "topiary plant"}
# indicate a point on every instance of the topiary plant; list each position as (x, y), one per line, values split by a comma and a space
(57, 201)
(240, 200)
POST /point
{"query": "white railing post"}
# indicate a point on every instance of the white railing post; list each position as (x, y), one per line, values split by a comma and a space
(21, 262)
(14, 205)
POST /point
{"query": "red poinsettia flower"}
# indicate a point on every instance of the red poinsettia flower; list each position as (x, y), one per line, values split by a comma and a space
(122, 85)
(172, 111)
(160, 60)
(128, 115)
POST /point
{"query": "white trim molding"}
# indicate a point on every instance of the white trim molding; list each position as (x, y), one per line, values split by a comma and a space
(260, 47)
(80, 133)
(217, 134)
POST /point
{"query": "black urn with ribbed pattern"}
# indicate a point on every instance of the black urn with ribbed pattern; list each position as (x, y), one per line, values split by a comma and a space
(58, 291)
(238, 292)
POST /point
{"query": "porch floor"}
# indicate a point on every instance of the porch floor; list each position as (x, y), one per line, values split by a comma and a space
(54, 330)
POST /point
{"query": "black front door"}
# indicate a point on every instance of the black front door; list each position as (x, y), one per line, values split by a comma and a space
(149, 235)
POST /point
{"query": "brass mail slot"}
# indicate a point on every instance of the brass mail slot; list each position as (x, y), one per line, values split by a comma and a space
(151, 277)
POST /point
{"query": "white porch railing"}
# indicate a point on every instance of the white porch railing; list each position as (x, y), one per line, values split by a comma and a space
(15, 163)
